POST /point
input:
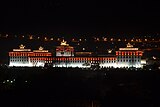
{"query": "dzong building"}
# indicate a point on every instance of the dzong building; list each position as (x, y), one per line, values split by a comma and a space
(65, 56)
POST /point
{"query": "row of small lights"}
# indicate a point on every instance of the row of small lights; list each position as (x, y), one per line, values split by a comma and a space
(11, 81)
(95, 38)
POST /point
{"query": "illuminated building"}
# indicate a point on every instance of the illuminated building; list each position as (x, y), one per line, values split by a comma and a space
(85, 62)
(26, 58)
(20, 57)
(66, 57)
(124, 58)
(64, 49)
(40, 57)
(129, 57)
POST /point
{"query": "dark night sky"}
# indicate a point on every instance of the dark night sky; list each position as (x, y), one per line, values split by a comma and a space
(79, 16)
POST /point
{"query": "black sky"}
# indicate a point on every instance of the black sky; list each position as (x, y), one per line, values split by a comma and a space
(79, 16)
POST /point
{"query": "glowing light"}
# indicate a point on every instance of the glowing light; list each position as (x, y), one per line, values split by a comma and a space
(73, 40)
(64, 43)
(31, 37)
(129, 45)
(143, 62)
(97, 39)
(40, 48)
(154, 57)
(21, 46)
(119, 39)
(105, 39)
(128, 48)
(109, 51)
(58, 39)
(45, 39)
(6, 35)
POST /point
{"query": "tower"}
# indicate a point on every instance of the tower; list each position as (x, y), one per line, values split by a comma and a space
(20, 57)
(64, 49)
(129, 57)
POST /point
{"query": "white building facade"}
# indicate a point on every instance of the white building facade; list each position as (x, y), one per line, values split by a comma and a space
(129, 57)
(26, 58)
(125, 58)
(64, 57)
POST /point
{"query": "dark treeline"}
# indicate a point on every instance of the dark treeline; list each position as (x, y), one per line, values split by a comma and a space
(67, 87)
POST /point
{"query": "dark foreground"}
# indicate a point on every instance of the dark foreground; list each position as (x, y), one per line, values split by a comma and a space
(61, 87)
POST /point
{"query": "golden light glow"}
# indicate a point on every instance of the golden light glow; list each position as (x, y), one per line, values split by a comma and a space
(21, 46)
(64, 43)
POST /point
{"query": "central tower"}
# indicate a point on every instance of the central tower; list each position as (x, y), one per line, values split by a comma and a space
(64, 49)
